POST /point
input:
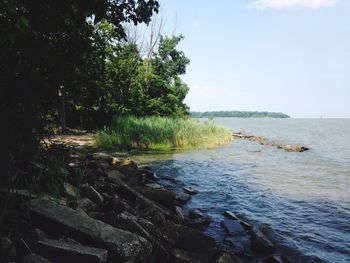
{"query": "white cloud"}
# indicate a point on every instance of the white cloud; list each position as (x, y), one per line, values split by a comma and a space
(278, 4)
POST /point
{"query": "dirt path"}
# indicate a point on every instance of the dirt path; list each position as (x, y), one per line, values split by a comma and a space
(80, 141)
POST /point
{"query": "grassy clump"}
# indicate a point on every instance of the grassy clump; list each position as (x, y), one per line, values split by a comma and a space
(161, 133)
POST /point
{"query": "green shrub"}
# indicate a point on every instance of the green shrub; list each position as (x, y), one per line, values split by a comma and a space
(161, 133)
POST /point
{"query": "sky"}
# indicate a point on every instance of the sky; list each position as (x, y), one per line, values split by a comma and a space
(290, 56)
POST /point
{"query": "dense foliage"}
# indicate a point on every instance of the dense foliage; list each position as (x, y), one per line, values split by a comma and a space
(55, 49)
(161, 133)
(238, 114)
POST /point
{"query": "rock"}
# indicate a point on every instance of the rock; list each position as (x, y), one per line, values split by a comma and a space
(116, 205)
(68, 252)
(230, 215)
(184, 256)
(115, 175)
(69, 191)
(92, 194)
(246, 225)
(86, 205)
(191, 240)
(288, 148)
(260, 243)
(121, 245)
(179, 213)
(95, 174)
(34, 258)
(129, 223)
(7, 250)
(232, 227)
(154, 186)
(299, 148)
(190, 190)
(228, 258)
(274, 259)
(103, 157)
(149, 174)
(198, 222)
(18, 195)
(161, 196)
(182, 198)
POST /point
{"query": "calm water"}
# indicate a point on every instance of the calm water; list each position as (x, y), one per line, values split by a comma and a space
(301, 199)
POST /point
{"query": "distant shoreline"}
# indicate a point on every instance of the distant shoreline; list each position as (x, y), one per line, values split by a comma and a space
(239, 114)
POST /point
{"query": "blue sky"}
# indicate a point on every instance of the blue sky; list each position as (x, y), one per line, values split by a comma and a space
(291, 56)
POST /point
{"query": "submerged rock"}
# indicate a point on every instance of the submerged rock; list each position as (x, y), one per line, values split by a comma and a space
(190, 190)
(233, 227)
(59, 251)
(121, 244)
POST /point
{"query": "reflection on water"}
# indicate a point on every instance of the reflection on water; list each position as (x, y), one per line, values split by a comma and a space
(304, 198)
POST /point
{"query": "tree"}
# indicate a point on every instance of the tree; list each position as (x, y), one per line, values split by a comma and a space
(43, 46)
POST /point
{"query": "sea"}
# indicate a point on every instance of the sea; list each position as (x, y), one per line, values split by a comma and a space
(301, 200)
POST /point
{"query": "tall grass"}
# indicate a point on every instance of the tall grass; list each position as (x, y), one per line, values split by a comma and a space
(161, 133)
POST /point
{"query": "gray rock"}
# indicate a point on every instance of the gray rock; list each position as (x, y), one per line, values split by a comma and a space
(121, 244)
(189, 257)
(86, 205)
(93, 195)
(59, 251)
(69, 191)
(260, 243)
(7, 250)
(34, 258)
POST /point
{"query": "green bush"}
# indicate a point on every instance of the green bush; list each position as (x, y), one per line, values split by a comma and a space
(161, 133)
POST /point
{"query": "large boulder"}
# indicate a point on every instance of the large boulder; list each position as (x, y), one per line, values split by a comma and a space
(59, 251)
(121, 245)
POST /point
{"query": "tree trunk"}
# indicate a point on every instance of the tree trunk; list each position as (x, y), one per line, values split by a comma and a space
(62, 110)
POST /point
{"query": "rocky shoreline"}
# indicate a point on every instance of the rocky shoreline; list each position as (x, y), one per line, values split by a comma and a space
(120, 212)
(264, 141)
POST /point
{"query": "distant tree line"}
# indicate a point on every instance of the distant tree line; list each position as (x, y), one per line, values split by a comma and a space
(70, 63)
(239, 114)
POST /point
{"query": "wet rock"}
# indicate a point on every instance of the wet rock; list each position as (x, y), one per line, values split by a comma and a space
(161, 196)
(197, 219)
(246, 225)
(182, 198)
(190, 190)
(68, 252)
(228, 258)
(69, 191)
(230, 215)
(274, 259)
(260, 243)
(34, 258)
(191, 240)
(232, 227)
(7, 250)
(198, 222)
(121, 244)
(91, 193)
